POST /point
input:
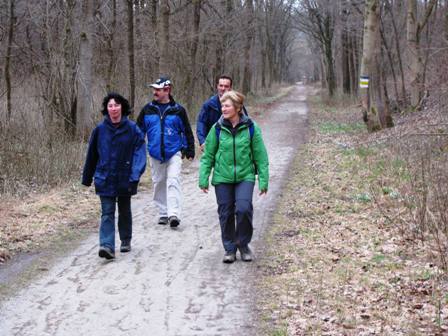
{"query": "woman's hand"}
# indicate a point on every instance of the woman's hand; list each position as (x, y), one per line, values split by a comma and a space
(263, 192)
(205, 190)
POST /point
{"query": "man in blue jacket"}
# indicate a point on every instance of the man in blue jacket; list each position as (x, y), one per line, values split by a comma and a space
(211, 110)
(170, 139)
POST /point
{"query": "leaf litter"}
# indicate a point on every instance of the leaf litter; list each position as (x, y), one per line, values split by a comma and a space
(334, 264)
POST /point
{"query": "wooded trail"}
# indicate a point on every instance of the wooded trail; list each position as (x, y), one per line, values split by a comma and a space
(173, 281)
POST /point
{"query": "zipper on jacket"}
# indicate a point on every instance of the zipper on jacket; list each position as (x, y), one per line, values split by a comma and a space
(162, 142)
(234, 157)
(162, 132)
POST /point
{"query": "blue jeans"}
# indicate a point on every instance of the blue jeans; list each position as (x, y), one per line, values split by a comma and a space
(107, 227)
(235, 202)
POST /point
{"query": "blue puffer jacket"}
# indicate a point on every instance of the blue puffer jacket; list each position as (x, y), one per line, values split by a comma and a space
(167, 133)
(116, 158)
(208, 116)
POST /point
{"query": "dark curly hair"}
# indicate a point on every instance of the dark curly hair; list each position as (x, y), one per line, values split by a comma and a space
(125, 107)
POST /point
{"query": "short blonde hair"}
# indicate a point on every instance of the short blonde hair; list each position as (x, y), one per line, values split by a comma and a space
(235, 97)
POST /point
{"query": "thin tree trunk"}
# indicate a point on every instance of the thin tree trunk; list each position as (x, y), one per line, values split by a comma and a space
(353, 64)
(247, 74)
(155, 36)
(446, 21)
(67, 91)
(399, 58)
(329, 65)
(263, 66)
(85, 104)
(414, 29)
(391, 62)
(192, 77)
(164, 33)
(110, 48)
(130, 16)
(139, 59)
(7, 67)
(345, 62)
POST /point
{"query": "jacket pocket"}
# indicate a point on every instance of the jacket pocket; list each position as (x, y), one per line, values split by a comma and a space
(100, 184)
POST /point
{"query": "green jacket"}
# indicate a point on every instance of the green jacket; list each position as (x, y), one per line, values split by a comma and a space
(231, 156)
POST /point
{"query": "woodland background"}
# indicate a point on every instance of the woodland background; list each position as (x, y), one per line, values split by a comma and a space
(58, 58)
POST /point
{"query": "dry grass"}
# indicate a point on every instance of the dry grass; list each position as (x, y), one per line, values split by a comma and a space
(337, 265)
(33, 223)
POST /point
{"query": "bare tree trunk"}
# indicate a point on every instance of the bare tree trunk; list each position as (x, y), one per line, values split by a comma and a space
(391, 61)
(399, 58)
(110, 48)
(263, 66)
(67, 91)
(247, 74)
(414, 29)
(84, 90)
(329, 66)
(345, 63)
(7, 68)
(370, 44)
(130, 16)
(155, 35)
(192, 76)
(139, 59)
(269, 42)
(165, 37)
(353, 64)
(446, 21)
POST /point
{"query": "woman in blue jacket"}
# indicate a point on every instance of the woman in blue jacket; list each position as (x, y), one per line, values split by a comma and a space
(116, 159)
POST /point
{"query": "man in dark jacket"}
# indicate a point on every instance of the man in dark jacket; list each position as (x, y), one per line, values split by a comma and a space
(211, 110)
(170, 139)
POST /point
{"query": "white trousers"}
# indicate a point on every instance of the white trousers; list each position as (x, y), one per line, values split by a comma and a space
(166, 180)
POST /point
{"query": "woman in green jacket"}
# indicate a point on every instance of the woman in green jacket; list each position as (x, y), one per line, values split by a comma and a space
(235, 150)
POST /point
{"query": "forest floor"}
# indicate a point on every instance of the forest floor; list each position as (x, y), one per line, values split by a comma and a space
(334, 263)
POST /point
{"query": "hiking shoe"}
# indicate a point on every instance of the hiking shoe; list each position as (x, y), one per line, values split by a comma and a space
(174, 221)
(125, 246)
(246, 253)
(106, 252)
(163, 220)
(229, 257)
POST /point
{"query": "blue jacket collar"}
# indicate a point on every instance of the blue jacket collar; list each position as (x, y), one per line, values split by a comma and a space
(123, 120)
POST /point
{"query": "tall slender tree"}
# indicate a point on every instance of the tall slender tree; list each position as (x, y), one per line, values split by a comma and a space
(130, 16)
(8, 55)
(247, 74)
(85, 76)
(164, 40)
(414, 30)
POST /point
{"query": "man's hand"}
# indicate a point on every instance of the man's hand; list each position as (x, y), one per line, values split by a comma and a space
(202, 147)
(263, 192)
(205, 190)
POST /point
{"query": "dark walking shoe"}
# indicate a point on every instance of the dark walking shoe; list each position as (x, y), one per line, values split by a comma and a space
(106, 252)
(125, 246)
(246, 253)
(174, 221)
(163, 221)
(229, 257)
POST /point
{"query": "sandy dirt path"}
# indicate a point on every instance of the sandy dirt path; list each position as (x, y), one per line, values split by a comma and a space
(173, 282)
